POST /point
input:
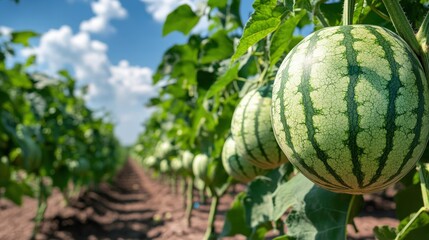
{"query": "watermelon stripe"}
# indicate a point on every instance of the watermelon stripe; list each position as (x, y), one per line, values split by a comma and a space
(353, 117)
(243, 127)
(419, 111)
(240, 167)
(322, 181)
(258, 113)
(393, 86)
(304, 88)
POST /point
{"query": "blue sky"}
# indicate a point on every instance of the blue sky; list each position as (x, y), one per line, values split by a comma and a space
(112, 46)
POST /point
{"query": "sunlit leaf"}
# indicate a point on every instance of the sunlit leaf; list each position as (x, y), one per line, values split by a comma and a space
(182, 19)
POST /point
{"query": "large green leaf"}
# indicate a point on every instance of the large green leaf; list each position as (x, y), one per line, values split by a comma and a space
(235, 219)
(316, 213)
(265, 20)
(283, 37)
(259, 197)
(223, 81)
(182, 19)
(218, 47)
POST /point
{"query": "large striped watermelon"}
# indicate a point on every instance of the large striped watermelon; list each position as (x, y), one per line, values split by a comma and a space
(236, 166)
(350, 108)
(251, 130)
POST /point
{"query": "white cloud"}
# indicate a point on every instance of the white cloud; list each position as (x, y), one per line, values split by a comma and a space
(133, 88)
(5, 31)
(105, 11)
(159, 9)
(121, 89)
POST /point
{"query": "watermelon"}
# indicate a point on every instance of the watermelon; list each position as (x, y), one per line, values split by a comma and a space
(350, 108)
(187, 158)
(238, 168)
(200, 167)
(252, 132)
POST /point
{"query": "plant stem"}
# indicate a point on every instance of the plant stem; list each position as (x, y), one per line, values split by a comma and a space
(41, 208)
(424, 188)
(401, 23)
(422, 37)
(210, 232)
(320, 16)
(189, 199)
(380, 13)
(413, 219)
(349, 8)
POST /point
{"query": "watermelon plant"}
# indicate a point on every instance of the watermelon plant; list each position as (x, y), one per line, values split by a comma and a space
(49, 137)
(339, 88)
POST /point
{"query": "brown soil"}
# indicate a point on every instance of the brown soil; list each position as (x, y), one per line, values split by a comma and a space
(137, 207)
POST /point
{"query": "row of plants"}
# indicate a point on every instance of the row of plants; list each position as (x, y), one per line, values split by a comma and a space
(311, 104)
(49, 137)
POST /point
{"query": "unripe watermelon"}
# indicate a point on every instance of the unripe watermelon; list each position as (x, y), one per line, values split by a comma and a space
(164, 166)
(238, 168)
(150, 161)
(176, 164)
(200, 166)
(252, 132)
(350, 108)
(187, 158)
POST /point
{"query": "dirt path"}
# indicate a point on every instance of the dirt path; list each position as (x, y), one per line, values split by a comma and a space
(137, 207)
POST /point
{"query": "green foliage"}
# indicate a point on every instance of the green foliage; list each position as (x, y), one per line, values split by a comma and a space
(235, 220)
(47, 131)
(23, 37)
(316, 213)
(385, 233)
(182, 19)
(201, 83)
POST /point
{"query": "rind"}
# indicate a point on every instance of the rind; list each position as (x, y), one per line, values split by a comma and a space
(252, 131)
(350, 108)
(237, 167)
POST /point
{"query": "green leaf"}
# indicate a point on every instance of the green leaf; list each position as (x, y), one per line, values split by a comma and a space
(283, 36)
(23, 37)
(219, 180)
(316, 213)
(235, 219)
(259, 197)
(217, 3)
(419, 229)
(30, 61)
(218, 47)
(14, 192)
(265, 20)
(385, 233)
(289, 5)
(223, 81)
(182, 19)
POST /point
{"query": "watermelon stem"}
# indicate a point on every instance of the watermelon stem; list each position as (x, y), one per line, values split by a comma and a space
(422, 36)
(190, 200)
(320, 15)
(401, 24)
(349, 8)
(413, 219)
(210, 232)
(423, 179)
